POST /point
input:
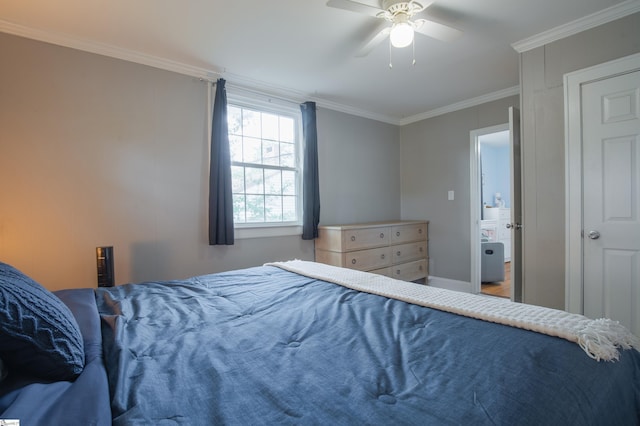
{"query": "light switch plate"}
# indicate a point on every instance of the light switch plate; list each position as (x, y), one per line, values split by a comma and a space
(450, 195)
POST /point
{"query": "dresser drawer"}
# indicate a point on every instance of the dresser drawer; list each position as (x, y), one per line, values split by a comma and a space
(363, 260)
(410, 271)
(411, 251)
(503, 232)
(383, 271)
(334, 238)
(356, 239)
(507, 249)
(409, 232)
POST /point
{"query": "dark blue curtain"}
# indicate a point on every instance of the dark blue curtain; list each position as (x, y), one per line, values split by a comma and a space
(220, 196)
(310, 184)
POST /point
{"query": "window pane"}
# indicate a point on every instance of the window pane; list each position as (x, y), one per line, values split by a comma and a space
(262, 144)
(235, 147)
(287, 127)
(272, 182)
(270, 127)
(273, 208)
(289, 182)
(234, 120)
(289, 209)
(237, 180)
(251, 123)
(254, 181)
(238, 208)
(287, 155)
(271, 153)
(255, 208)
(252, 148)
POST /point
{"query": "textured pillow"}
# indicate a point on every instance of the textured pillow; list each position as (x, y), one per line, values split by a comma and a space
(38, 333)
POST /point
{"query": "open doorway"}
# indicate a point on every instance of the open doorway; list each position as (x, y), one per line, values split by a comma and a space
(495, 213)
(491, 211)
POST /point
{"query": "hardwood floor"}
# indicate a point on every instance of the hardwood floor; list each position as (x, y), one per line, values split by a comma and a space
(502, 288)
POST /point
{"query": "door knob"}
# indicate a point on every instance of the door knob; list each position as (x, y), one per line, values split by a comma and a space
(515, 226)
(594, 235)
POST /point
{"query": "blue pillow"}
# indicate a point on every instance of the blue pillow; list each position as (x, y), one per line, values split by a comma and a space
(39, 335)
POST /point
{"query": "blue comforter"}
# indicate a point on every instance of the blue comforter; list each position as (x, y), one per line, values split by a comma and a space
(266, 346)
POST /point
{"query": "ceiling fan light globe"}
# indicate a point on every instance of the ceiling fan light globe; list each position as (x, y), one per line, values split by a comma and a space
(401, 35)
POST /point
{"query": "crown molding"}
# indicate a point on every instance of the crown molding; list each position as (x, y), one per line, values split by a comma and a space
(618, 11)
(489, 97)
(107, 50)
(604, 16)
(357, 112)
(181, 68)
(288, 95)
(255, 86)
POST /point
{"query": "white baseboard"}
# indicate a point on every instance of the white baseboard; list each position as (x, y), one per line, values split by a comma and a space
(450, 284)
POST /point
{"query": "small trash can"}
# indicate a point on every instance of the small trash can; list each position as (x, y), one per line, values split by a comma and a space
(492, 268)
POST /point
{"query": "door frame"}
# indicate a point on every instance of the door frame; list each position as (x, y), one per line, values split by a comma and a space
(573, 83)
(475, 191)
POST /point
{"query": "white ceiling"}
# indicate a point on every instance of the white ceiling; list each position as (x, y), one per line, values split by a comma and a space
(304, 49)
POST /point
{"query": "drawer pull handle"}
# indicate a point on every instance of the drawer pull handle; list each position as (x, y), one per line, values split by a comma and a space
(353, 238)
(353, 261)
(420, 231)
(421, 267)
(397, 271)
(381, 235)
(397, 233)
(382, 256)
(420, 249)
(398, 253)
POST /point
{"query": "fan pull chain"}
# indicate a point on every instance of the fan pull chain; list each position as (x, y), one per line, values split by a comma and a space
(413, 46)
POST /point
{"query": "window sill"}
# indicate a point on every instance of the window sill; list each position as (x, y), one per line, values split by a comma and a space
(246, 232)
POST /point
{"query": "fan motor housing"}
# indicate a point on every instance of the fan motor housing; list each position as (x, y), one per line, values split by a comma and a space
(407, 7)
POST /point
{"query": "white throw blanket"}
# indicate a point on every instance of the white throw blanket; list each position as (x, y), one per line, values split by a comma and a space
(599, 338)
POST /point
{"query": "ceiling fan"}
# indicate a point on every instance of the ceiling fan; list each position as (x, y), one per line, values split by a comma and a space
(402, 17)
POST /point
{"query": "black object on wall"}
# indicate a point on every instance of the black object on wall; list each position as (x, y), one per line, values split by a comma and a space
(104, 260)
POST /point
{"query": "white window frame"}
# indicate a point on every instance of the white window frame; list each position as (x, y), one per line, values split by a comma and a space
(281, 107)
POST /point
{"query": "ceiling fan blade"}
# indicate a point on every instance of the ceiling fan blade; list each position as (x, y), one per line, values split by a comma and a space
(435, 30)
(354, 6)
(424, 3)
(381, 33)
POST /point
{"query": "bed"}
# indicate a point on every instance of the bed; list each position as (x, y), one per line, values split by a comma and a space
(303, 343)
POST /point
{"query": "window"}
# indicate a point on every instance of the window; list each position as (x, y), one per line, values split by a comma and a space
(265, 167)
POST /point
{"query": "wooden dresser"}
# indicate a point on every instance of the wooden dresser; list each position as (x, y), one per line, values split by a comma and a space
(395, 249)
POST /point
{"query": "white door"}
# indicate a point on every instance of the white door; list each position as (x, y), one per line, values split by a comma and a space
(516, 206)
(611, 198)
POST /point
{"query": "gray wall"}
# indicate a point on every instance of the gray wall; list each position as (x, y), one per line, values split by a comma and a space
(98, 151)
(435, 158)
(542, 71)
(360, 169)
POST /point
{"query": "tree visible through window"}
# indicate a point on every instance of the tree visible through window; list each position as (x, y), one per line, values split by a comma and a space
(264, 166)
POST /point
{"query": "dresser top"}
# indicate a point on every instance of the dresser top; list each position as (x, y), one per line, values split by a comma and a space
(374, 224)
